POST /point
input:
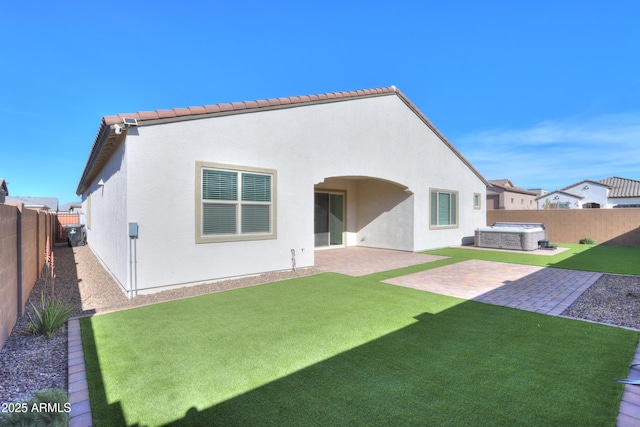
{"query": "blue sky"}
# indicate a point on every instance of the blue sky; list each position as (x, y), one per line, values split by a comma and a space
(545, 93)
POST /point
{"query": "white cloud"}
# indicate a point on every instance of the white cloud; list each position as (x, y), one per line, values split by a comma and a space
(555, 154)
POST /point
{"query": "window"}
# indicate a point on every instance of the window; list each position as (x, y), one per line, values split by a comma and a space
(234, 203)
(87, 215)
(477, 200)
(444, 212)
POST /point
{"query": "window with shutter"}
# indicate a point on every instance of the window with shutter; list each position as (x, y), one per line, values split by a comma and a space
(234, 203)
(444, 210)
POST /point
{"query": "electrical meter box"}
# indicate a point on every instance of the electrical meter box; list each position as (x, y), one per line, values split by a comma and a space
(133, 230)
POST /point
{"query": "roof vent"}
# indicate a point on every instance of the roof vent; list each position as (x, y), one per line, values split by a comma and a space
(129, 121)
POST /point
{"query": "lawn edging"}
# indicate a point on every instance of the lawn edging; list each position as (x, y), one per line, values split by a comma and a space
(80, 414)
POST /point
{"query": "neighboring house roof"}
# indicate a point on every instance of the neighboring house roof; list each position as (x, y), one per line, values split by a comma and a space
(501, 182)
(3, 187)
(50, 203)
(109, 137)
(560, 192)
(67, 207)
(507, 185)
(583, 182)
(622, 187)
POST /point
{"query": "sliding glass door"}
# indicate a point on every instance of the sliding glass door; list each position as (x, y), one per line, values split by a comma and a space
(329, 219)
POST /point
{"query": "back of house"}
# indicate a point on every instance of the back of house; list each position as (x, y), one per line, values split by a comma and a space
(193, 195)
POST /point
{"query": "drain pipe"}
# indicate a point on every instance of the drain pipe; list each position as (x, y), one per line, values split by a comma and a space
(133, 259)
(130, 267)
(293, 259)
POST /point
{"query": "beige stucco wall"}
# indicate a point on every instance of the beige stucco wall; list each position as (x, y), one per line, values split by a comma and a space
(385, 216)
(519, 201)
(510, 200)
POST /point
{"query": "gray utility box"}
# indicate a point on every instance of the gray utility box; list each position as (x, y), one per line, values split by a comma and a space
(75, 234)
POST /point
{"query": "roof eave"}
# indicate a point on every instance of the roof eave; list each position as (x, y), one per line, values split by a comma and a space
(107, 140)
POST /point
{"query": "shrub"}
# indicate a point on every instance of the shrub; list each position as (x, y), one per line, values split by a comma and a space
(49, 407)
(48, 317)
(587, 241)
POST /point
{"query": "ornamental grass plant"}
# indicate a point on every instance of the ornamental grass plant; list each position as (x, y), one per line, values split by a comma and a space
(50, 313)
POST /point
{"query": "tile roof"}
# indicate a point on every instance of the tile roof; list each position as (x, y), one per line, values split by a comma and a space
(107, 140)
(236, 107)
(507, 185)
(50, 203)
(501, 182)
(67, 207)
(622, 187)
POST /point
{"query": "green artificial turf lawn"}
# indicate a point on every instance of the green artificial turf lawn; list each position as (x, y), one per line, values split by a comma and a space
(335, 350)
(600, 258)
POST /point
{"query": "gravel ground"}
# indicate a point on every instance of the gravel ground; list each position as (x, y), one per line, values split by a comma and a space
(31, 363)
(613, 299)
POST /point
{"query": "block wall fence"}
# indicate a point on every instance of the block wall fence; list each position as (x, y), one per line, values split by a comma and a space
(23, 238)
(619, 227)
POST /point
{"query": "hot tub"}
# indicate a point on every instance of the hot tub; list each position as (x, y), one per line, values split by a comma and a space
(517, 236)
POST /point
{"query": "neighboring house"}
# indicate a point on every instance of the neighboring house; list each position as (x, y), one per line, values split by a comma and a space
(236, 189)
(503, 195)
(73, 207)
(4, 191)
(613, 192)
(625, 193)
(42, 203)
(559, 200)
(539, 191)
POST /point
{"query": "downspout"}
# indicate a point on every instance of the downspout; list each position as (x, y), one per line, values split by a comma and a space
(133, 260)
(130, 293)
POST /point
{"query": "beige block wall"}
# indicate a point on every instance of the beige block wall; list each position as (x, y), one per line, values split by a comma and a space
(607, 226)
(23, 237)
(30, 256)
(8, 270)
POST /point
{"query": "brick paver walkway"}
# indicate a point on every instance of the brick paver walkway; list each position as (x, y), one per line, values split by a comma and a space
(539, 289)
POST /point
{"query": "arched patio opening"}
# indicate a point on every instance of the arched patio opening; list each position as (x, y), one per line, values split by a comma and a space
(363, 211)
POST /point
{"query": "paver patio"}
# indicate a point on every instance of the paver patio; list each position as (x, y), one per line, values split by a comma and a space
(539, 289)
(360, 261)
